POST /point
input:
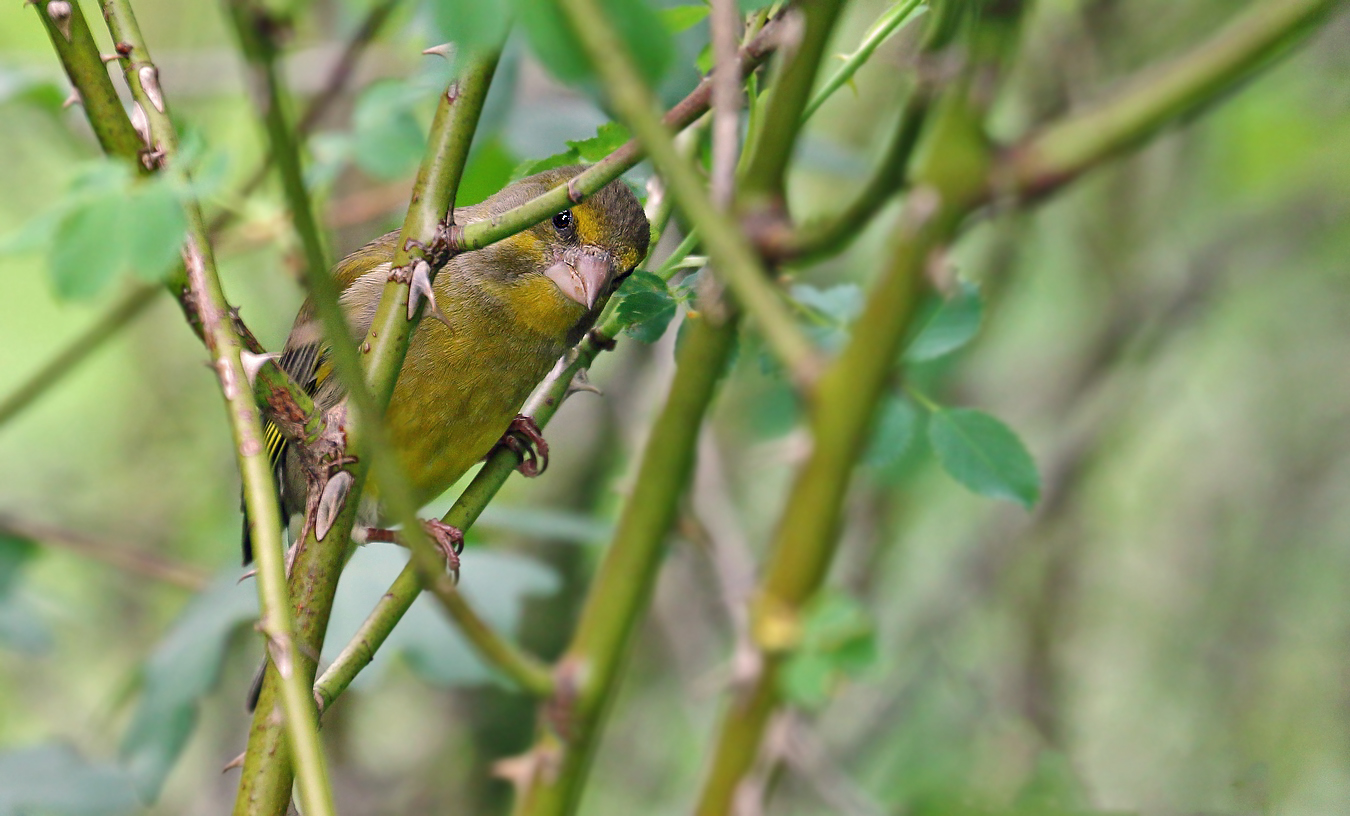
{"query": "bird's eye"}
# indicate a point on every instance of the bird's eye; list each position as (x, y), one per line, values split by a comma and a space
(563, 223)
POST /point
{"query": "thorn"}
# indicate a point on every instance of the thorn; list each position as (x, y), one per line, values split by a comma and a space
(419, 287)
(246, 576)
(140, 123)
(149, 75)
(237, 762)
(73, 99)
(582, 382)
(59, 13)
(330, 502)
(446, 50)
(253, 363)
(107, 58)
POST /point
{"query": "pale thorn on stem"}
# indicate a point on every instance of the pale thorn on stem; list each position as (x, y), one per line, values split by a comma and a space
(253, 363)
(330, 503)
(59, 12)
(73, 99)
(445, 50)
(149, 76)
(581, 381)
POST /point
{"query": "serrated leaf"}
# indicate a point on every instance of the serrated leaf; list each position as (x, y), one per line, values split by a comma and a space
(532, 166)
(645, 306)
(682, 18)
(608, 137)
(155, 226)
(983, 454)
(947, 325)
(89, 248)
(387, 140)
(53, 780)
(641, 281)
(646, 315)
(471, 24)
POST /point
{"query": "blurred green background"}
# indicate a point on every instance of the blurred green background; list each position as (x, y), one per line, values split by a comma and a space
(1166, 632)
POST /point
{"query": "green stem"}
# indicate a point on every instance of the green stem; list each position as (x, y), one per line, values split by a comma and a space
(74, 44)
(621, 591)
(224, 345)
(1158, 97)
(891, 21)
(806, 535)
(253, 28)
(763, 182)
(135, 302)
(733, 257)
(266, 783)
(478, 234)
(525, 670)
(815, 239)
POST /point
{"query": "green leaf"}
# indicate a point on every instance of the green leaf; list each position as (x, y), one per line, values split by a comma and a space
(645, 306)
(838, 305)
(21, 627)
(90, 247)
(551, 40)
(488, 170)
(681, 18)
(184, 667)
(532, 166)
(155, 226)
(838, 640)
(983, 454)
(893, 434)
(704, 61)
(947, 325)
(499, 586)
(471, 24)
(608, 137)
(637, 24)
(55, 781)
(388, 140)
(15, 553)
(808, 679)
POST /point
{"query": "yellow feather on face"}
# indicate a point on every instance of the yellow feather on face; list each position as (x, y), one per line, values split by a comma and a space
(506, 324)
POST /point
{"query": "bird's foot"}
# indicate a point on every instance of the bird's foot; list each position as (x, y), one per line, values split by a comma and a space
(524, 439)
(448, 539)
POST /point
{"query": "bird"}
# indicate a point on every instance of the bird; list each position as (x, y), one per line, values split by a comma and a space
(504, 315)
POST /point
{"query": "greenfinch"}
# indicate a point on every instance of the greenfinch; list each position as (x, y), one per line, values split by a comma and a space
(505, 314)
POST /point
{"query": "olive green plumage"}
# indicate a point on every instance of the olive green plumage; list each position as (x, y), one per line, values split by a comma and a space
(507, 319)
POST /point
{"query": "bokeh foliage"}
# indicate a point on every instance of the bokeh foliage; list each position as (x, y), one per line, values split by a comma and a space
(1154, 623)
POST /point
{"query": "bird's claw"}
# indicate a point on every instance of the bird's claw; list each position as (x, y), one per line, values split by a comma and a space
(448, 539)
(524, 439)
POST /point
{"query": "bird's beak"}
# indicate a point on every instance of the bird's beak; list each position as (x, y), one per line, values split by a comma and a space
(583, 274)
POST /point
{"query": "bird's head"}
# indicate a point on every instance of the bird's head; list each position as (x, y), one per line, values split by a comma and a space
(558, 273)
